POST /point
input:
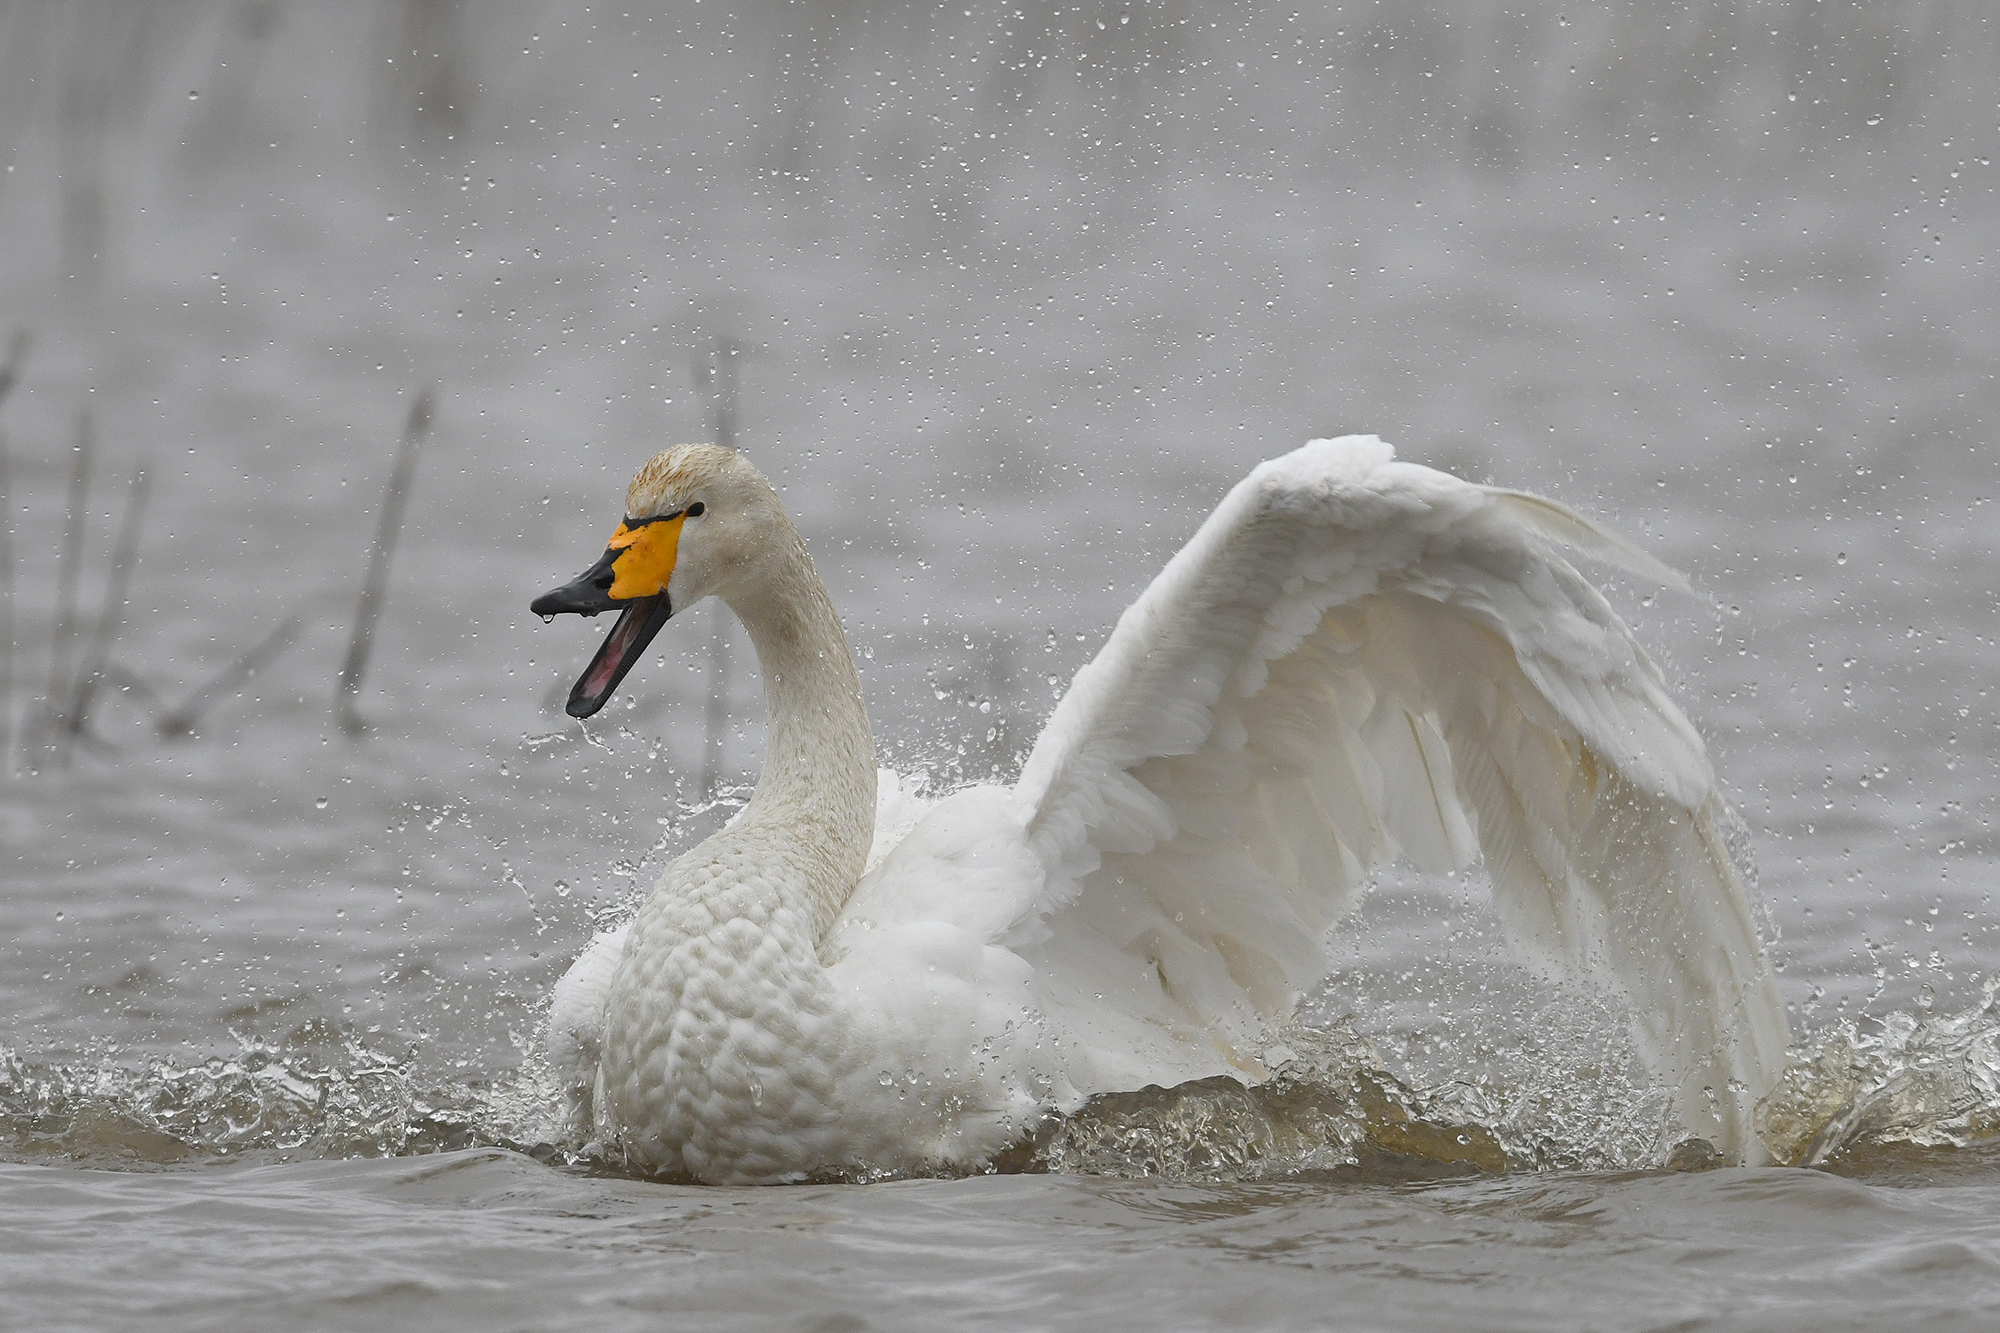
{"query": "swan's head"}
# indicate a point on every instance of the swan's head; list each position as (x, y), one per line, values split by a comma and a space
(699, 519)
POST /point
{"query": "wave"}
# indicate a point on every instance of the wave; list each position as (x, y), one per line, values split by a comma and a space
(309, 1098)
(1854, 1095)
(1919, 1080)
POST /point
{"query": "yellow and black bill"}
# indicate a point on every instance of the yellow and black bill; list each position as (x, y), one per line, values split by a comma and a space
(629, 578)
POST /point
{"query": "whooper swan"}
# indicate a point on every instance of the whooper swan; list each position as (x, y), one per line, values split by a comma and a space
(1353, 659)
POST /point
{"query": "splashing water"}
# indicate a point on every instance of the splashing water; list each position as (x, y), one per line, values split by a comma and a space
(263, 1101)
(1922, 1080)
(1333, 1108)
(1330, 1109)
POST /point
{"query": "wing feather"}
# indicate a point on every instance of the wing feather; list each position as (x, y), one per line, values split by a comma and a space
(1356, 659)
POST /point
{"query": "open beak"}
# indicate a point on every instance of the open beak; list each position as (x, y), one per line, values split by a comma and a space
(639, 619)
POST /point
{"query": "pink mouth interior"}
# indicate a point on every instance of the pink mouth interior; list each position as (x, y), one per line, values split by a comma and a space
(598, 680)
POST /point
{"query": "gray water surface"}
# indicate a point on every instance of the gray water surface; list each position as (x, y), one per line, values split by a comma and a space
(1008, 297)
(480, 1239)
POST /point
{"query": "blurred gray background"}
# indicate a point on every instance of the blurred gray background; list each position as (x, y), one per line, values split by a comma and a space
(1003, 296)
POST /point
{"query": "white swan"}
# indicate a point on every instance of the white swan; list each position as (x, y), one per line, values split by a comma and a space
(1353, 658)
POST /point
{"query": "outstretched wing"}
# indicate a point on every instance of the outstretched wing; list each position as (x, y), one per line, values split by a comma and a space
(1356, 658)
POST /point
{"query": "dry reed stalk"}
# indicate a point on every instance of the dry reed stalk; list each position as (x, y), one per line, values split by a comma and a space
(10, 375)
(715, 720)
(17, 354)
(69, 570)
(124, 555)
(717, 380)
(183, 718)
(375, 585)
(6, 608)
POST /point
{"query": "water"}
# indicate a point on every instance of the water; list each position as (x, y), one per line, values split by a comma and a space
(481, 1239)
(1015, 300)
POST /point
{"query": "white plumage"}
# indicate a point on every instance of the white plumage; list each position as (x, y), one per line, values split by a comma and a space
(1353, 659)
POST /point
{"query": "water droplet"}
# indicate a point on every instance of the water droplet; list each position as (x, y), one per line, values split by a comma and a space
(320, 804)
(1840, 559)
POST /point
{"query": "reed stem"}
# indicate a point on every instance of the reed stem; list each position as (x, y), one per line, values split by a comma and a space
(716, 717)
(716, 378)
(69, 568)
(124, 555)
(10, 375)
(375, 585)
(184, 717)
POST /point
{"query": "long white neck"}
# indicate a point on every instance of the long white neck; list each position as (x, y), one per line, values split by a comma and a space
(816, 796)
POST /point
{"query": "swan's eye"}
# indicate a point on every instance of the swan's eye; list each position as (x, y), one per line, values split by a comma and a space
(697, 509)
